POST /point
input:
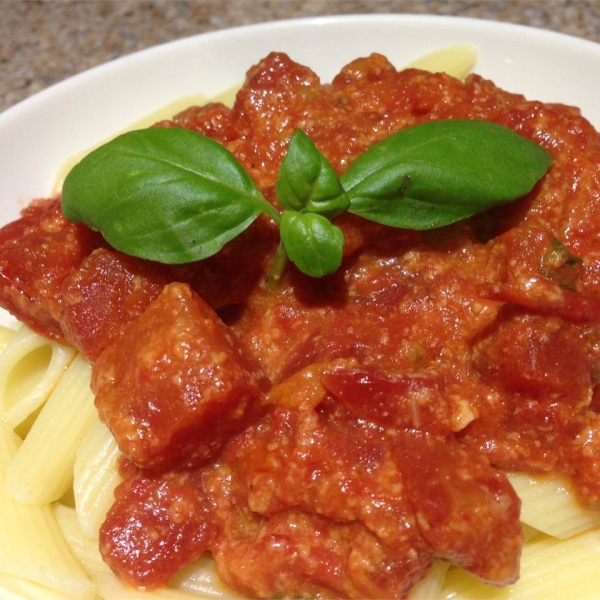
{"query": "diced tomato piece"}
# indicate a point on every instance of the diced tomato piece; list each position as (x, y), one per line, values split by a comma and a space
(465, 509)
(156, 526)
(177, 384)
(403, 401)
(109, 290)
(37, 252)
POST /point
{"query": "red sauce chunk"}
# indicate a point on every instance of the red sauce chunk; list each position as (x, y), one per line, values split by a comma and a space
(335, 437)
(165, 385)
(107, 291)
(37, 252)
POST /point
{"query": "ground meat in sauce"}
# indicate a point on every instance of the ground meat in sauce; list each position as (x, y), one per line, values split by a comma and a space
(386, 399)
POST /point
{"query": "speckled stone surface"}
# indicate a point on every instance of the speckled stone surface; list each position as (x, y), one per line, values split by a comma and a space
(43, 42)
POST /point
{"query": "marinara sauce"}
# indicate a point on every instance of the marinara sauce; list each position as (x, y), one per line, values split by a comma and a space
(335, 437)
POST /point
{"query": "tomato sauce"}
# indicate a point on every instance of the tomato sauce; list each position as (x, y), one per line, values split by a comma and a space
(337, 436)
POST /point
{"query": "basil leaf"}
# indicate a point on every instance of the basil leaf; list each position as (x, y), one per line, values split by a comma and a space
(312, 242)
(439, 172)
(307, 181)
(165, 194)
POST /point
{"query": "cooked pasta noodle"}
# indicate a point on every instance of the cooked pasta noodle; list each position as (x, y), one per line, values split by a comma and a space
(95, 476)
(457, 61)
(6, 335)
(31, 544)
(548, 506)
(200, 579)
(56, 434)
(430, 586)
(16, 588)
(30, 368)
(550, 568)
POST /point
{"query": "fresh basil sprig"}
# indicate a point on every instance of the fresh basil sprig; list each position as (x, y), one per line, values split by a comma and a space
(176, 196)
(310, 194)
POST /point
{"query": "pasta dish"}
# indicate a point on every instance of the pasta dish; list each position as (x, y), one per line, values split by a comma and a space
(370, 410)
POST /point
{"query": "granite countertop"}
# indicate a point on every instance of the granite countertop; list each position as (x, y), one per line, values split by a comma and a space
(44, 42)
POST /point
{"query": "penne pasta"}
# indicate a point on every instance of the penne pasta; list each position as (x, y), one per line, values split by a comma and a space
(42, 470)
(457, 61)
(430, 586)
(30, 368)
(549, 506)
(95, 476)
(550, 568)
(14, 588)
(31, 545)
(6, 335)
(201, 579)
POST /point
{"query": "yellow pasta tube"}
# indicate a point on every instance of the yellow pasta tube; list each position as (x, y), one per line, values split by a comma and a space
(200, 578)
(42, 470)
(550, 568)
(95, 477)
(31, 544)
(457, 61)
(6, 335)
(13, 588)
(30, 368)
(549, 506)
(431, 586)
